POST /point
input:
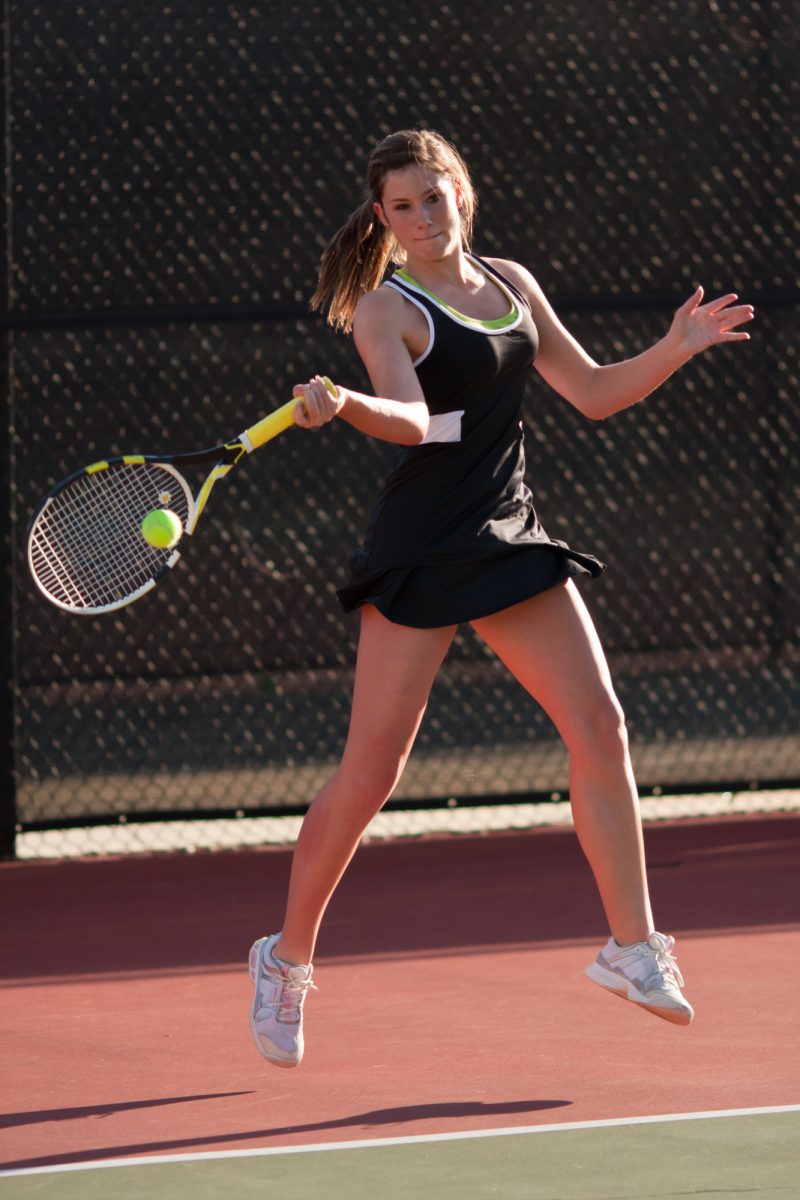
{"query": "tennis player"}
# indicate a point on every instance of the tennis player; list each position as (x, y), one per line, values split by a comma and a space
(449, 340)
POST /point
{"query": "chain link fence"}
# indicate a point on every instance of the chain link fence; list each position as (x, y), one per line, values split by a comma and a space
(172, 175)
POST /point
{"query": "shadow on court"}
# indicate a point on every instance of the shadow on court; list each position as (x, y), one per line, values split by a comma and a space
(45, 1116)
(357, 1123)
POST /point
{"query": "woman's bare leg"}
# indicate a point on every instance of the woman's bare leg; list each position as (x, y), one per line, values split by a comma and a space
(550, 645)
(395, 670)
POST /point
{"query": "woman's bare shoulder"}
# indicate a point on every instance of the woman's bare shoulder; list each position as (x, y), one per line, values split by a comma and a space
(379, 304)
(513, 271)
(384, 315)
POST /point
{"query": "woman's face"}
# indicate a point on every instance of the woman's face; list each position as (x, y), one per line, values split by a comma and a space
(420, 206)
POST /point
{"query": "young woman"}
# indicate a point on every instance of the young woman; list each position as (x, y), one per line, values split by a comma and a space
(448, 342)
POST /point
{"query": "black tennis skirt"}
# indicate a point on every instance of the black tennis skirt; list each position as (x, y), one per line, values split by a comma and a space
(450, 593)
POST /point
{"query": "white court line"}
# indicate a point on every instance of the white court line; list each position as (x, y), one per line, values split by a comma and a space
(367, 1143)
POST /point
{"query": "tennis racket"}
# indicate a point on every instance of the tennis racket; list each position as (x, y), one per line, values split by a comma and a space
(86, 550)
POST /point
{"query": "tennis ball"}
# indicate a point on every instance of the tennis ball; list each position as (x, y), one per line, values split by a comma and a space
(162, 528)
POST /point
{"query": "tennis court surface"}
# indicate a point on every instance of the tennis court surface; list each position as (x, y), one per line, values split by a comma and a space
(454, 1047)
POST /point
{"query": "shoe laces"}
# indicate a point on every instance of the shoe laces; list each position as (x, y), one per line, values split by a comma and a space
(290, 988)
(656, 955)
(662, 946)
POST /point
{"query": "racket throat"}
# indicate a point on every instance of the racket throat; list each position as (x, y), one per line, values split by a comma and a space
(202, 496)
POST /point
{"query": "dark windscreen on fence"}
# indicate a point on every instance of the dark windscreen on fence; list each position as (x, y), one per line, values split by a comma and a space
(174, 172)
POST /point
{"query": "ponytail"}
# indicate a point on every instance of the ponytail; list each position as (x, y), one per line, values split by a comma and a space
(353, 263)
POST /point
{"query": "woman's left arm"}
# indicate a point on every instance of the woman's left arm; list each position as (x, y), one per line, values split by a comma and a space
(599, 391)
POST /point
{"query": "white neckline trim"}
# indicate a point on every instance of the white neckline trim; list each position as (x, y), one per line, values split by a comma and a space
(473, 323)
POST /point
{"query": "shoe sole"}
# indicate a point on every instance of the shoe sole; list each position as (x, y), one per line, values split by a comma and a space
(628, 991)
(253, 966)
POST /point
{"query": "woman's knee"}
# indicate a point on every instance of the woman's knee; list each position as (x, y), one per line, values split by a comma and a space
(597, 729)
(371, 772)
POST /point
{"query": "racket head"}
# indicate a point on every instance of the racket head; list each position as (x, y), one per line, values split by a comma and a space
(85, 548)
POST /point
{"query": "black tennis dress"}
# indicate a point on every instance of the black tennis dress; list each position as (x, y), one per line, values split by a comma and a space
(454, 535)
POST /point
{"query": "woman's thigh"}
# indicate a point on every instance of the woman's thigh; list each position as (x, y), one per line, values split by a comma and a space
(550, 645)
(395, 669)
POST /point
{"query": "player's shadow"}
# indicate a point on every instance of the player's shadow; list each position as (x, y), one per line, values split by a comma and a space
(43, 1116)
(357, 1121)
(428, 1112)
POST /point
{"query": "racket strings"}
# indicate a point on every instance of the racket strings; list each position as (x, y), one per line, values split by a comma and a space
(87, 550)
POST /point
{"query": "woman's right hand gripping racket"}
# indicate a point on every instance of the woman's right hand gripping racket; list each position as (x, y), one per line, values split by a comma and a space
(86, 549)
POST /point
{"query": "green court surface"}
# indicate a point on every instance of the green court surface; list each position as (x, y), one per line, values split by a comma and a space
(662, 1158)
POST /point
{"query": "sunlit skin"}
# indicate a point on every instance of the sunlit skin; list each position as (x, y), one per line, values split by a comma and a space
(421, 208)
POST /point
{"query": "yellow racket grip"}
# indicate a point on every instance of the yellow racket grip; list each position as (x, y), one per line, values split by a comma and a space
(277, 422)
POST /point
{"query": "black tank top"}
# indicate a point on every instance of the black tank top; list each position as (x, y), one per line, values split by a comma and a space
(464, 486)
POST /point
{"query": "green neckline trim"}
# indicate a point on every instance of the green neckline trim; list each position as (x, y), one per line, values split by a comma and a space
(494, 323)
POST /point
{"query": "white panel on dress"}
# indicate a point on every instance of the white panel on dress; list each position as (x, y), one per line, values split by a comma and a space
(444, 427)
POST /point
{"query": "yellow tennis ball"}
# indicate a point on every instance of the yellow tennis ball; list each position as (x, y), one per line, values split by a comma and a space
(162, 528)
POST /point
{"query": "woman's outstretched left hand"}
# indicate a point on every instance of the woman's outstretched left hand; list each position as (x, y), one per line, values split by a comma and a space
(696, 326)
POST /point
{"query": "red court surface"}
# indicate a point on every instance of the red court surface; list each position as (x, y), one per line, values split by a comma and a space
(451, 994)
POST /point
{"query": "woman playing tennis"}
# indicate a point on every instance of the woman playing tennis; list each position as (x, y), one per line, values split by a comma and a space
(449, 341)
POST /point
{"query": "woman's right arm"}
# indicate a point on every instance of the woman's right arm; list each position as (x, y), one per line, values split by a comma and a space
(397, 412)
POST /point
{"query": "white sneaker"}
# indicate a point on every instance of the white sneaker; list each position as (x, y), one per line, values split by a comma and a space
(276, 1013)
(645, 973)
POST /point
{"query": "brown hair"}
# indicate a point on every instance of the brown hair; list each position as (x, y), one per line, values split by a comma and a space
(356, 258)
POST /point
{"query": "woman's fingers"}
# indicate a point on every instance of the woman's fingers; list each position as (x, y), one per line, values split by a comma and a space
(318, 404)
